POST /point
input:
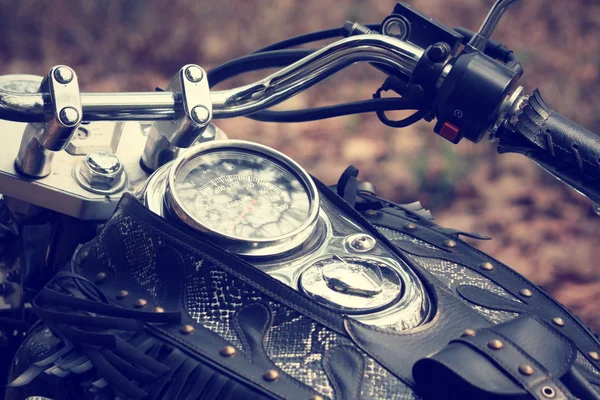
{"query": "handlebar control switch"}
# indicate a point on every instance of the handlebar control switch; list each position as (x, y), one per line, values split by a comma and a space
(190, 89)
(62, 117)
(469, 99)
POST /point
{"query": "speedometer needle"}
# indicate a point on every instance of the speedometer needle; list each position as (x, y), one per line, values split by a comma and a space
(242, 215)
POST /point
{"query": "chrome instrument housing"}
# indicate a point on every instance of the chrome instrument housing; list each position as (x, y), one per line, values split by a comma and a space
(163, 183)
(330, 236)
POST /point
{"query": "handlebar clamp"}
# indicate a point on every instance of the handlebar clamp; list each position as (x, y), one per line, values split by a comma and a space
(167, 137)
(61, 120)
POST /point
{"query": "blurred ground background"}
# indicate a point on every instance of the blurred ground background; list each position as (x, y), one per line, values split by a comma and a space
(544, 230)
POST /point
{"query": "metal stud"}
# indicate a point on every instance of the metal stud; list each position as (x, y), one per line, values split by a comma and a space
(410, 226)
(495, 344)
(194, 73)
(100, 277)
(228, 351)
(158, 309)
(450, 243)
(271, 375)
(468, 332)
(69, 115)
(186, 329)
(558, 321)
(139, 303)
(487, 266)
(525, 292)
(63, 75)
(122, 294)
(548, 392)
(361, 243)
(200, 114)
(594, 355)
(526, 369)
(371, 213)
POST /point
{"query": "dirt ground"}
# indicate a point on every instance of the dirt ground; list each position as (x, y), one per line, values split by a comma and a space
(544, 230)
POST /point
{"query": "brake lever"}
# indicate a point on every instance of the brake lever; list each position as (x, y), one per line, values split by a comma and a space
(496, 13)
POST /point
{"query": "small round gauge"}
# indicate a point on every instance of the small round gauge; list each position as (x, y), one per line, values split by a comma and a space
(250, 198)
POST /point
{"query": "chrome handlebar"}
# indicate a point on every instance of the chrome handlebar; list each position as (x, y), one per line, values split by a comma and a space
(276, 88)
(398, 55)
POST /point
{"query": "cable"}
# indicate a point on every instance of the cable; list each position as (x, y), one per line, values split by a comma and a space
(496, 50)
(309, 38)
(403, 123)
(338, 110)
(254, 62)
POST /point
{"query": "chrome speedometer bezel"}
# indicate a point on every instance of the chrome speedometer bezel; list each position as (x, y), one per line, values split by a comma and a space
(264, 247)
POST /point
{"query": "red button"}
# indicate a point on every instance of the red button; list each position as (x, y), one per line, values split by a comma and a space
(450, 132)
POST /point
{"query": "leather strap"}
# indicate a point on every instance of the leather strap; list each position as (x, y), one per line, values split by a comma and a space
(509, 358)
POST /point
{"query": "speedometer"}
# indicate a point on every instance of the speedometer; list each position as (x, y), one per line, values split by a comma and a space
(252, 199)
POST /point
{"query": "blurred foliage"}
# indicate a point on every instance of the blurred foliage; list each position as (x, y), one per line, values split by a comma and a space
(541, 228)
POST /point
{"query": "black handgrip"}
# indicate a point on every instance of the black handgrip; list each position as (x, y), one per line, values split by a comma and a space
(565, 149)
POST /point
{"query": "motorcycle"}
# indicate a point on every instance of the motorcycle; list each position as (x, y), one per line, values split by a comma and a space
(146, 255)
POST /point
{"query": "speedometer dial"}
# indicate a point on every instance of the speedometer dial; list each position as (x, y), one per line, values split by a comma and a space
(253, 198)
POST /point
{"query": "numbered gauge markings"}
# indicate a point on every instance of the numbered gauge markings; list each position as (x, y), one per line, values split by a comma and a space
(245, 192)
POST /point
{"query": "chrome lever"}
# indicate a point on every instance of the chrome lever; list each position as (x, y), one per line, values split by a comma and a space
(481, 38)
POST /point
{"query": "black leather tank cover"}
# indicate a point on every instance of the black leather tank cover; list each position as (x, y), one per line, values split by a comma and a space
(181, 317)
(398, 351)
(149, 309)
(419, 225)
(345, 368)
(251, 322)
(519, 359)
(532, 299)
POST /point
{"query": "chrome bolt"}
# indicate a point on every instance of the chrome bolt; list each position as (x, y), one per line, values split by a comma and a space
(361, 243)
(69, 116)
(194, 73)
(101, 170)
(200, 115)
(103, 162)
(63, 74)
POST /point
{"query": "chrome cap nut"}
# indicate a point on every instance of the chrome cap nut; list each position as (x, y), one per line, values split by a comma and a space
(101, 170)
